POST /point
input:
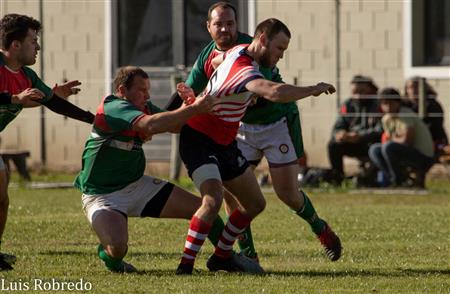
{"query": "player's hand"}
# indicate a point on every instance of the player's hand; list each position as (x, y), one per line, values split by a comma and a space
(204, 103)
(67, 89)
(27, 96)
(323, 88)
(186, 93)
(145, 137)
(340, 135)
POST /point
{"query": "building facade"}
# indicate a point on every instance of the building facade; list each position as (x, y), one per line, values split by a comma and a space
(331, 41)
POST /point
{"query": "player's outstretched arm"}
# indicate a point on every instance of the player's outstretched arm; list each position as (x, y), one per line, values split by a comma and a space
(60, 105)
(64, 107)
(171, 121)
(27, 97)
(67, 89)
(284, 93)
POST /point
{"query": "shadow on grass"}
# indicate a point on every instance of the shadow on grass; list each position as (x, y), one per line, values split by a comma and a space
(346, 273)
(361, 273)
(206, 253)
(155, 255)
(399, 272)
(64, 252)
(170, 272)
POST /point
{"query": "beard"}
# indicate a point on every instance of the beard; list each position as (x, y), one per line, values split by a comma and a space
(225, 41)
(264, 60)
(26, 58)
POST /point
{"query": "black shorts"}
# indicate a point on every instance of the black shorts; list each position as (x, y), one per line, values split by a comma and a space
(197, 149)
(154, 207)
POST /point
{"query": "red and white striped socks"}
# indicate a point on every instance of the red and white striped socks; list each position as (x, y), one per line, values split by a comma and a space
(198, 231)
(236, 224)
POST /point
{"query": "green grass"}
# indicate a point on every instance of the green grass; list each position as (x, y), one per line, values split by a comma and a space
(392, 244)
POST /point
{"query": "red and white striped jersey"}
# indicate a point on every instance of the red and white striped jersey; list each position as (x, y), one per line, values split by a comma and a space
(228, 83)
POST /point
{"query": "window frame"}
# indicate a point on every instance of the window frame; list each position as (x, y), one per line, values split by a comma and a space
(432, 72)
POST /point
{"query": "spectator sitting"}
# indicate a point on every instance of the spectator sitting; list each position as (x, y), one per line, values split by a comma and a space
(434, 114)
(408, 142)
(357, 126)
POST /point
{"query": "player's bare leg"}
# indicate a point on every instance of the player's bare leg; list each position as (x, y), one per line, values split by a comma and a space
(5, 259)
(113, 239)
(245, 240)
(190, 204)
(251, 203)
(201, 223)
(284, 181)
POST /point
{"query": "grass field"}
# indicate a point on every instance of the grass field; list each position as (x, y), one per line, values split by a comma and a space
(392, 244)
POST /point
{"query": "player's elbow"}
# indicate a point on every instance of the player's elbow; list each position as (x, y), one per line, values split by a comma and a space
(275, 94)
(159, 127)
(147, 126)
(153, 129)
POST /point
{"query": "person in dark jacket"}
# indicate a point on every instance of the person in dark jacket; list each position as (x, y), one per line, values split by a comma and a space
(434, 114)
(357, 125)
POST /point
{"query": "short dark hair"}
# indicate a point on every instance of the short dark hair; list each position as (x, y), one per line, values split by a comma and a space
(390, 94)
(14, 27)
(224, 5)
(365, 80)
(125, 76)
(271, 27)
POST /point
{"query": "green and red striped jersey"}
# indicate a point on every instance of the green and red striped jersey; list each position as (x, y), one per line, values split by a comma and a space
(113, 157)
(14, 82)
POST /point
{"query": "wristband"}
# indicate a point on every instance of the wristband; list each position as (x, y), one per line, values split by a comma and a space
(5, 98)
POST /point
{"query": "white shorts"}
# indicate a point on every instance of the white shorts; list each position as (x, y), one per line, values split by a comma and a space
(272, 141)
(130, 200)
(2, 164)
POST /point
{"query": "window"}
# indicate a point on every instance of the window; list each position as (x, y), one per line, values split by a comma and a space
(145, 32)
(155, 33)
(158, 35)
(427, 38)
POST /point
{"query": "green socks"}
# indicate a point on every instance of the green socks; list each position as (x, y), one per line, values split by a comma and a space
(113, 264)
(308, 213)
(216, 230)
(245, 241)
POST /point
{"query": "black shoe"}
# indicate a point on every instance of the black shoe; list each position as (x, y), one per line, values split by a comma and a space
(127, 268)
(9, 258)
(335, 177)
(253, 256)
(331, 242)
(184, 269)
(4, 265)
(236, 263)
